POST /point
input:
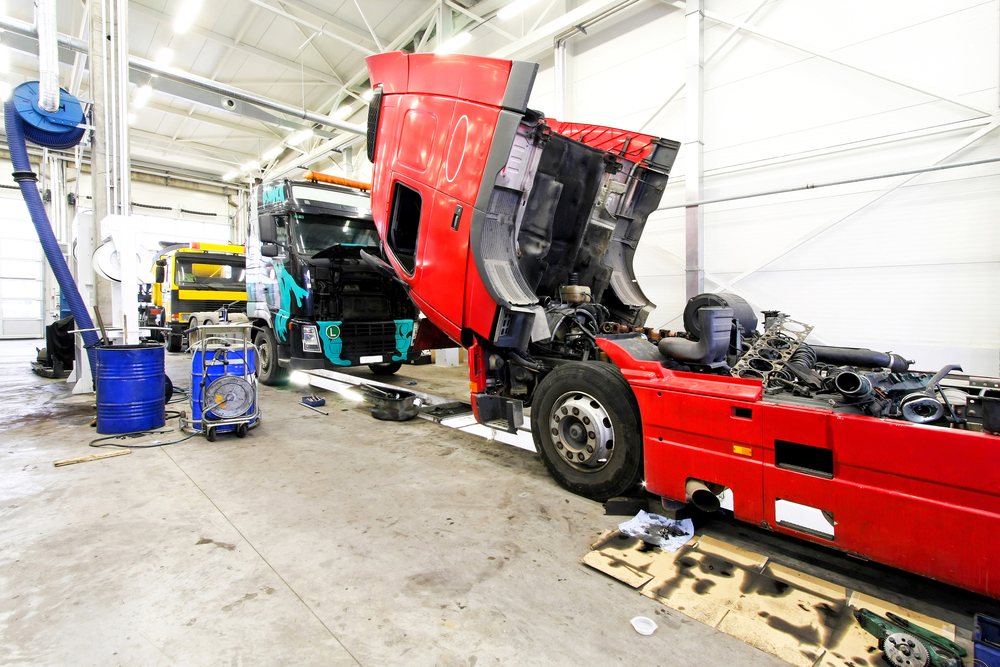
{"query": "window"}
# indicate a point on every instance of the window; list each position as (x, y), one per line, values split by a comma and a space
(404, 226)
(192, 274)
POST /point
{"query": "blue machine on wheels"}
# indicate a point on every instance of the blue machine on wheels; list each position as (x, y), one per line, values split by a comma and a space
(223, 382)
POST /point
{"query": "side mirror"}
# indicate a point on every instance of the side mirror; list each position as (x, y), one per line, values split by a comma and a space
(159, 275)
(268, 230)
(269, 250)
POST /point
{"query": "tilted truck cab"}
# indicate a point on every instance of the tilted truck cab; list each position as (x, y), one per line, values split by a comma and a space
(315, 302)
(515, 235)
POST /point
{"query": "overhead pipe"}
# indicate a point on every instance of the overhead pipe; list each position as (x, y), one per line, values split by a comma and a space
(48, 56)
(149, 67)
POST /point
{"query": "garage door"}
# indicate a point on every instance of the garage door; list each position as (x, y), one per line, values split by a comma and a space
(21, 273)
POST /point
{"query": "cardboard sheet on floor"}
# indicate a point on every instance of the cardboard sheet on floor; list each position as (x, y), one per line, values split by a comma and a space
(794, 616)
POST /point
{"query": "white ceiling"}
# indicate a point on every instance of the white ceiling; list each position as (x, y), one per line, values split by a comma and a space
(264, 47)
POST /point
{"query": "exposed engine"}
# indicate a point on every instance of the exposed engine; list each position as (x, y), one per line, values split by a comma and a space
(722, 338)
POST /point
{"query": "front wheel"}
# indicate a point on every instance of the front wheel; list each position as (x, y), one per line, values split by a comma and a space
(385, 369)
(270, 371)
(586, 426)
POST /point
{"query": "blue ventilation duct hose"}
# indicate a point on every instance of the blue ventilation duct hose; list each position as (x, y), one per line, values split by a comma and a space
(23, 118)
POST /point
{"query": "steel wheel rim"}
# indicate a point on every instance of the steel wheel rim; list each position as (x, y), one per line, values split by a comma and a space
(265, 358)
(581, 431)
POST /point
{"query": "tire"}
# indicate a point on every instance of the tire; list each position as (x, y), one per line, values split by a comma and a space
(210, 435)
(168, 389)
(385, 369)
(600, 409)
(241, 431)
(174, 342)
(269, 371)
(192, 323)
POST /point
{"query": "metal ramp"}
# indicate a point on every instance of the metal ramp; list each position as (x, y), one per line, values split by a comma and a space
(444, 411)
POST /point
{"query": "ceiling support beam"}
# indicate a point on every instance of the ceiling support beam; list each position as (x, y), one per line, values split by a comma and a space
(480, 20)
(368, 25)
(766, 34)
(539, 40)
(251, 15)
(244, 48)
(725, 40)
(313, 27)
(404, 36)
(328, 18)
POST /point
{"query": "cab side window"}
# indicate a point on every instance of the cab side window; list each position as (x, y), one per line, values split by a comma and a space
(404, 226)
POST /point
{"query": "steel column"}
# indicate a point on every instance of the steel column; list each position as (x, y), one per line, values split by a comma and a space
(694, 167)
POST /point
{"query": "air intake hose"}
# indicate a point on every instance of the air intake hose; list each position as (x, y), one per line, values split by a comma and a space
(24, 119)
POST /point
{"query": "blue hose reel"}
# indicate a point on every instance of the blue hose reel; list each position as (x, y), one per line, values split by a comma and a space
(58, 129)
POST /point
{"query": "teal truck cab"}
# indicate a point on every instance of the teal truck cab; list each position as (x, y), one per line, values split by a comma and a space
(312, 299)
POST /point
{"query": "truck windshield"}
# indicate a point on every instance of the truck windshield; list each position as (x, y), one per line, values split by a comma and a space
(316, 233)
(210, 273)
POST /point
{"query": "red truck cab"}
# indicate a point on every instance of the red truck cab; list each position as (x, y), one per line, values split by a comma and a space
(515, 235)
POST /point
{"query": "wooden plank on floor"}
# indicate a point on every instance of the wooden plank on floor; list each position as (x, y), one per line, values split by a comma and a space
(92, 457)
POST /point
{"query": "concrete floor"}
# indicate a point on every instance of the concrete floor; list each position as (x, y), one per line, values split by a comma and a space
(325, 540)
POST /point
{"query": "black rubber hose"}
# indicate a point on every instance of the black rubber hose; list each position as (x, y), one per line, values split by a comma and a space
(858, 356)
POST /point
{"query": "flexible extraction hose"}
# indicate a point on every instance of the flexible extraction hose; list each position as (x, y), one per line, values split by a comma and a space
(17, 132)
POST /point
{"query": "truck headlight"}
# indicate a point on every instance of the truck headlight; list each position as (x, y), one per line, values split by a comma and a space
(310, 339)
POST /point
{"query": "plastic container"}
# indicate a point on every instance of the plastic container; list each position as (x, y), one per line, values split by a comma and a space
(130, 388)
(221, 362)
(643, 625)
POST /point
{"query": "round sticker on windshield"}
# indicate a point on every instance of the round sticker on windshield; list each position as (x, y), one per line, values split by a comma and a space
(333, 332)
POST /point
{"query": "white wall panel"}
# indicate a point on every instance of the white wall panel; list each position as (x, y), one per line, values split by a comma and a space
(918, 271)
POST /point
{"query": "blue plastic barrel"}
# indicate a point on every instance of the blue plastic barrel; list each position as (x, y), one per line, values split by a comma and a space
(130, 388)
(222, 361)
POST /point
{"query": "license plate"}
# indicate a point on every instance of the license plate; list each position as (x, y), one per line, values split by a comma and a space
(376, 359)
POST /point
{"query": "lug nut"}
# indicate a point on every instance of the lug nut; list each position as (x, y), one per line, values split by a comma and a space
(555, 431)
(565, 411)
(586, 420)
(591, 435)
(558, 445)
(580, 456)
(576, 411)
(590, 450)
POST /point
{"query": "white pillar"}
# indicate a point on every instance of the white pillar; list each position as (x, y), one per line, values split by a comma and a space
(694, 232)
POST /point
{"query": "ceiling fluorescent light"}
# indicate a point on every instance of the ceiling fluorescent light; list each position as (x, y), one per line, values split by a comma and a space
(186, 15)
(251, 165)
(342, 113)
(231, 175)
(142, 96)
(273, 153)
(514, 8)
(368, 95)
(164, 57)
(456, 42)
(299, 137)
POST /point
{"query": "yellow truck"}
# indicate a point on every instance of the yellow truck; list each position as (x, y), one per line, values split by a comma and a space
(195, 284)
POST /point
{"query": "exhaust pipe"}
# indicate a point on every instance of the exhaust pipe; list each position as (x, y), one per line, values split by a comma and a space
(703, 495)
